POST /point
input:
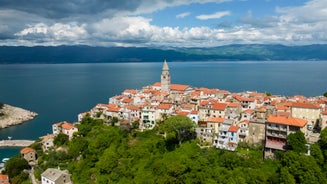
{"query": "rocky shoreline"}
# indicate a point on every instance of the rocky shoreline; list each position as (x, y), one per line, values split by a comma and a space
(10, 116)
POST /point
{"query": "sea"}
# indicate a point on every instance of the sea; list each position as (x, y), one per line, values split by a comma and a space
(59, 92)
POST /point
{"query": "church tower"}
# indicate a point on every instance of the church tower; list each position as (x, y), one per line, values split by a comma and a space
(165, 78)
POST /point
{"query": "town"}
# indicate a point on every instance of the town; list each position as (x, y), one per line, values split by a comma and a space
(222, 119)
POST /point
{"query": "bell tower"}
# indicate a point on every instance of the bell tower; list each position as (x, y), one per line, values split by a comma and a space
(165, 78)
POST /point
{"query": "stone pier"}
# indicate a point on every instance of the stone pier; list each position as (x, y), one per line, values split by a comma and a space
(16, 143)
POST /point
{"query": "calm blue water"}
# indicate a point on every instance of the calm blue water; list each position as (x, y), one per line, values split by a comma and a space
(58, 92)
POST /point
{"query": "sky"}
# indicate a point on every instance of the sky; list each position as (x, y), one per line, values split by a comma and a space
(162, 23)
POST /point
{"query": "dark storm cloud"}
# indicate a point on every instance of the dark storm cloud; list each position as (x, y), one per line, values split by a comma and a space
(55, 9)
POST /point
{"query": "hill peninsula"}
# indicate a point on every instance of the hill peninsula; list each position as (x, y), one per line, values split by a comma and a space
(11, 115)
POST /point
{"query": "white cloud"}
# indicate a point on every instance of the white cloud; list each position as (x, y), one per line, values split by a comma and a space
(216, 15)
(182, 15)
(292, 25)
(55, 33)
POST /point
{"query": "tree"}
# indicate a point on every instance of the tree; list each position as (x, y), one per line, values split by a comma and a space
(296, 142)
(323, 139)
(61, 139)
(178, 127)
(325, 94)
(316, 153)
(15, 166)
(286, 177)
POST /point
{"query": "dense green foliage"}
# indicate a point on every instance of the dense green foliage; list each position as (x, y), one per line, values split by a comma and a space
(61, 139)
(15, 166)
(325, 94)
(297, 142)
(109, 154)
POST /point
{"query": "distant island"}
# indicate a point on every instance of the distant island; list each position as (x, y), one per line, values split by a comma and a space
(88, 54)
(10, 115)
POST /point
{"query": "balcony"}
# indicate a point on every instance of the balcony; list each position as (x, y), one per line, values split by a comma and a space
(276, 145)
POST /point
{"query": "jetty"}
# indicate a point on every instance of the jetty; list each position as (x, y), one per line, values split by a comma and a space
(16, 143)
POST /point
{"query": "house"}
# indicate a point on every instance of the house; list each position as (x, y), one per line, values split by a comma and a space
(47, 142)
(323, 119)
(243, 129)
(29, 154)
(65, 128)
(4, 179)
(222, 138)
(205, 134)
(164, 109)
(233, 136)
(308, 111)
(148, 117)
(55, 176)
(277, 130)
(214, 123)
(257, 132)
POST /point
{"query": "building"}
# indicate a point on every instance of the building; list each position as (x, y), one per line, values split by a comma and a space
(277, 130)
(65, 128)
(47, 142)
(4, 179)
(55, 176)
(307, 111)
(29, 154)
(165, 78)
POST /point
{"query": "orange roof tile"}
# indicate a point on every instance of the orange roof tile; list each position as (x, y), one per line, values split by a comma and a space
(249, 111)
(215, 120)
(233, 129)
(219, 106)
(165, 106)
(234, 105)
(127, 100)
(132, 107)
(305, 105)
(178, 87)
(194, 112)
(131, 91)
(157, 84)
(67, 126)
(4, 177)
(27, 150)
(183, 113)
(324, 112)
(287, 121)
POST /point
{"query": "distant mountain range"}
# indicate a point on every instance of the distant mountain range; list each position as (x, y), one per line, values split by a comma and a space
(88, 54)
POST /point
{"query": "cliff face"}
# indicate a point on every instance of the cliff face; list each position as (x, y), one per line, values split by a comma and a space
(10, 115)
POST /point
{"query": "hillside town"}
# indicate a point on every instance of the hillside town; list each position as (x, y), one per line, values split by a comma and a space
(222, 119)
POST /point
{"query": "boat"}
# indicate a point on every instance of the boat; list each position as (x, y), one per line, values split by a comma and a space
(5, 160)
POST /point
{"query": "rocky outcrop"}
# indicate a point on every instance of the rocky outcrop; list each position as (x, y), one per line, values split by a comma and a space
(10, 115)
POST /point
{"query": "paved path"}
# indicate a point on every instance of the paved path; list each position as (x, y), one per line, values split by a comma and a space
(16, 143)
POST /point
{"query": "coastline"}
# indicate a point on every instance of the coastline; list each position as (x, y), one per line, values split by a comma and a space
(14, 116)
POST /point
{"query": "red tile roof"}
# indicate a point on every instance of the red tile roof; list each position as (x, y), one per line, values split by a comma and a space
(165, 106)
(287, 121)
(27, 150)
(178, 87)
(219, 106)
(249, 111)
(233, 129)
(4, 177)
(215, 120)
(131, 91)
(234, 105)
(305, 105)
(67, 126)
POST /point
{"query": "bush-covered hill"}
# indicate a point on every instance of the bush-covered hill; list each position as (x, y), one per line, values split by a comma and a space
(87, 54)
(102, 153)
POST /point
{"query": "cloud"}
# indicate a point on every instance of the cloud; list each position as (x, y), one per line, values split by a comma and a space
(216, 15)
(130, 23)
(182, 15)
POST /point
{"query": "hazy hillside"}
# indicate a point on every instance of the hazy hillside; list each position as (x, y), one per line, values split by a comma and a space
(87, 54)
